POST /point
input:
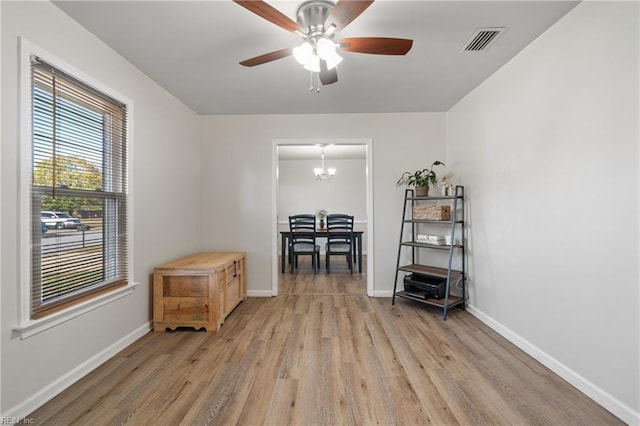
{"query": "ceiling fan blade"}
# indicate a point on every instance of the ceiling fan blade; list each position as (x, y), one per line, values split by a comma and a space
(267, 57)
(345, 11)
(327, 76)
(377, 45)
(269, 13)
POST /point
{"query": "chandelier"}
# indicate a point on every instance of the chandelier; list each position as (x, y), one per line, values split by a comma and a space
(322, 173)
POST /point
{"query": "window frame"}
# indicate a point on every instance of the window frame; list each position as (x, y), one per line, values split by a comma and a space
(27, 325)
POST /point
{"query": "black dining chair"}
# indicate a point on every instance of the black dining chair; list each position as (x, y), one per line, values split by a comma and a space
(339, 239)
(302, 240)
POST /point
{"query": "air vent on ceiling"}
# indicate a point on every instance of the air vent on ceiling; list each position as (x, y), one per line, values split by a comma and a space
(482, 39)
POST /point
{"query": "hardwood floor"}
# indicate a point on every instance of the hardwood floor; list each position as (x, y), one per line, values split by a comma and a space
(339, 281)
(324, 353)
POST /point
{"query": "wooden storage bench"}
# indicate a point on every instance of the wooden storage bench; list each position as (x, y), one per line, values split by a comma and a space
(198, 291)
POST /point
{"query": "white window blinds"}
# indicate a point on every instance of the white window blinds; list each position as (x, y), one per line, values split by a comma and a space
(78, 190)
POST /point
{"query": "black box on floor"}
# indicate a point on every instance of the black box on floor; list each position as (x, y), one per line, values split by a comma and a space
(425, 287)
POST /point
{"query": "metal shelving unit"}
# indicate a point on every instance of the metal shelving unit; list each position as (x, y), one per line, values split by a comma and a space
(453, 277)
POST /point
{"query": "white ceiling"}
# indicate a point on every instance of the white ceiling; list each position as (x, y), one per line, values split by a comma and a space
(192, 49)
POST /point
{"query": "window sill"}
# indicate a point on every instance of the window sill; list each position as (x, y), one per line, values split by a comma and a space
(32, 327)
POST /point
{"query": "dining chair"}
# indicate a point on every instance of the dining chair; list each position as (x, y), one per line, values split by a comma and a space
(302, 241)
(339, 239)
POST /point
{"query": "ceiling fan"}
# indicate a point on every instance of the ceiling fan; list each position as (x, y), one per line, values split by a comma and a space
(318, 21)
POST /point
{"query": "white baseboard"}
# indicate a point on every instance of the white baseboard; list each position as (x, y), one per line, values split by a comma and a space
(259, 293)
(54, 388)
(607, 401)
(383, 293)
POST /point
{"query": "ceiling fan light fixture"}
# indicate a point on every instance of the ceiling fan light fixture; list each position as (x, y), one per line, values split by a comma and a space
(313, 64)
(325, 48)
(333, 61)
(310, 57)
(303, 53)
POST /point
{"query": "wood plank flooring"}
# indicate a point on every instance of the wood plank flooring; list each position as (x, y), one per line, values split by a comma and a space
(323, 353)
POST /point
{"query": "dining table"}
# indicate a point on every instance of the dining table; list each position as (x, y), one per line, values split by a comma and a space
(322, 233)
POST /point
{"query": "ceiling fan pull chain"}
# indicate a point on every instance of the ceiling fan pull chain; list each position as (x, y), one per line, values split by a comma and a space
(311, 81)
(318, 82)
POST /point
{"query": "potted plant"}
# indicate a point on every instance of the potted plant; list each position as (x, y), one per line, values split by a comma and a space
(321, 215)
(421, 179)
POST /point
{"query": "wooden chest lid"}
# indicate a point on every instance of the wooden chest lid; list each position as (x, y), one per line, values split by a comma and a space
(203, 261)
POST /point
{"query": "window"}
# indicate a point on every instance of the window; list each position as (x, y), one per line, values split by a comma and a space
(78, 191)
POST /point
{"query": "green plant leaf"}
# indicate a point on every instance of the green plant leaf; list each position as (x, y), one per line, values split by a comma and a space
(424, 177)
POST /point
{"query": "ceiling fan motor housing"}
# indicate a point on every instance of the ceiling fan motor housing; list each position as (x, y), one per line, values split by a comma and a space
(311, 16)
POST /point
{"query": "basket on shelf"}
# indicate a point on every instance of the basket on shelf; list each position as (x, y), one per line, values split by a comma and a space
(432, 212)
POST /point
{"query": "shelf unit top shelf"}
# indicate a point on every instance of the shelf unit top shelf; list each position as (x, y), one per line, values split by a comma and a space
(436, 197)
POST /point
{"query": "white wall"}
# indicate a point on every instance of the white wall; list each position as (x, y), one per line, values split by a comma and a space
(165, 172)
(548, 150)
(236, 180)
(299, 191)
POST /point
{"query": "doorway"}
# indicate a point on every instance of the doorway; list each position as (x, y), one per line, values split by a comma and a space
(310, 146)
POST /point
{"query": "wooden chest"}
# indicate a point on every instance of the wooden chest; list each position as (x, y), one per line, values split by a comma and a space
(198, 291)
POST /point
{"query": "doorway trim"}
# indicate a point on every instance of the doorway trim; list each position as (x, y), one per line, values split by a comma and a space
(368, 143)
